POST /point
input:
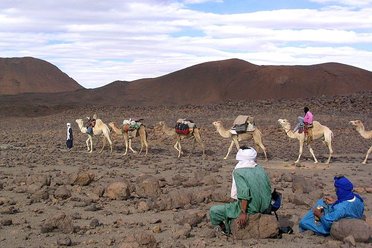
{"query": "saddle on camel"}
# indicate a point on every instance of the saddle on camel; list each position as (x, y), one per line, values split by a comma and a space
(131, 126)
(242, 124)
(184, 126)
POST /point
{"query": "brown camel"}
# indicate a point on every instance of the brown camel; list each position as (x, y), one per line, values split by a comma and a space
(129, 135)
(359, 127)
(319, 131)
(194, 135)
(99, 129)
(256, 135)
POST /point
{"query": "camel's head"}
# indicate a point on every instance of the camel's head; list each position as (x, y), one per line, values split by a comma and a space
(158, 126)
(79, 122)
(284, 123)
(217, 124)
(356, 123)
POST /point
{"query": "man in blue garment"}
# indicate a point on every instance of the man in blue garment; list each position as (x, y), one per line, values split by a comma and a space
(325, 212)
(250, 191)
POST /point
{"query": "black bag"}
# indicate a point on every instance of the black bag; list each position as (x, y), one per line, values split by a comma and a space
(242, 128)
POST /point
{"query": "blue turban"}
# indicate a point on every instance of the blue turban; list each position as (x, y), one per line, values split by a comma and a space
(344, 189)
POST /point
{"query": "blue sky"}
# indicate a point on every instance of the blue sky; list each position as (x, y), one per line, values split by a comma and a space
(98, 42)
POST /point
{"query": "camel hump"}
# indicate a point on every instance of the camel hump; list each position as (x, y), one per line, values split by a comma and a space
(316, 124)
(99, 122)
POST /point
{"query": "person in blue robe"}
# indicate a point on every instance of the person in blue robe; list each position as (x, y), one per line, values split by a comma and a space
(328, 210)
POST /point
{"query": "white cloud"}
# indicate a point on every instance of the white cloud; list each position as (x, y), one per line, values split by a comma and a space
(353, 3)
(97, 42)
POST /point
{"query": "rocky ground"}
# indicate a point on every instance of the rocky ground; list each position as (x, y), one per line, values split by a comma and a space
(52, 197)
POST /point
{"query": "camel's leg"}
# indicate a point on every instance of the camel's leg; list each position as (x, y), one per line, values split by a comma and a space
(130, 146)
(264, 150)
(368, 152)
(87, 142)
(300, 151)
(143, 142)
(178, 147)
(110, 142)
(126, 144)
(141, 145)
(258, 143)
(146, 143)
(312, 153)
(329, 144)
(198, 139)
(104, 143)
(229, 150)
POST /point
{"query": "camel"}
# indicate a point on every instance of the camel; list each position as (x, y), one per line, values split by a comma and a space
(195, 135)
(256, 135)
(141, 132)
(319, 131)
(99, 129)
(359, 127)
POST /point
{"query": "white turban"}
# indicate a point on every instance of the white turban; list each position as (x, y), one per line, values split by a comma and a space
(247, 159)
(249, 154)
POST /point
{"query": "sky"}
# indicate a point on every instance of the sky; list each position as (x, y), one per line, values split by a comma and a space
(98, 42)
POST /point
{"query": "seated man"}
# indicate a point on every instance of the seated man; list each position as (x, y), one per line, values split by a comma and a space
(325, 212)
(250, 189)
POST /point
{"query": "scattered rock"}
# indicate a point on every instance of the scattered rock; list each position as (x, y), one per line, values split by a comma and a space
(140, 239)
(6, 222)
(82, 178)
(350, 240)
(64, 241)
(118, 191)
(61, 222)
(62, 193)
(147, 186)
(260, 226)
(191, 217)
(301, 185)
(94, 223)
(343, 228)
(179, 231)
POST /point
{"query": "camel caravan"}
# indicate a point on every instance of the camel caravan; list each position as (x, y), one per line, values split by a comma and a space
(243, 129)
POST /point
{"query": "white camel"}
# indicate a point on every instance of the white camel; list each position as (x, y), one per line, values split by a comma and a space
(359, 127)
(128, 136)
(319, 131)
(100, 128)
(256, 135)
(194, 135)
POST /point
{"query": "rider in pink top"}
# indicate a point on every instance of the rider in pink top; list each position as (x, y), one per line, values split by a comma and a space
(308, 118)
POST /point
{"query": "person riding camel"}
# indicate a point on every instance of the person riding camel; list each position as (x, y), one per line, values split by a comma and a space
(308, 125)
(91, 122)
(305, 124)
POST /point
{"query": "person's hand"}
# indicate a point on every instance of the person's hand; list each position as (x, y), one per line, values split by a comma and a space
(318, 212)
(242, 220)
(329, 200)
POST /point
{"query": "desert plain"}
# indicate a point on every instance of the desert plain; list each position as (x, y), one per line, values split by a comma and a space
(52, 197)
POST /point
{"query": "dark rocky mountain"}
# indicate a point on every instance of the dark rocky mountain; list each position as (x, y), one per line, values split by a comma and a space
(31, 75)
(239, 80)
(216, 82)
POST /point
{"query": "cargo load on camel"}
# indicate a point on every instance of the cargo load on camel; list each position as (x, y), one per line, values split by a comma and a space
(184, 126)
(131, 126)
(242, 124)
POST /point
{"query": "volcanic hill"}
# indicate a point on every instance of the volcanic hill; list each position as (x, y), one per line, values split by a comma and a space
(31, 75)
